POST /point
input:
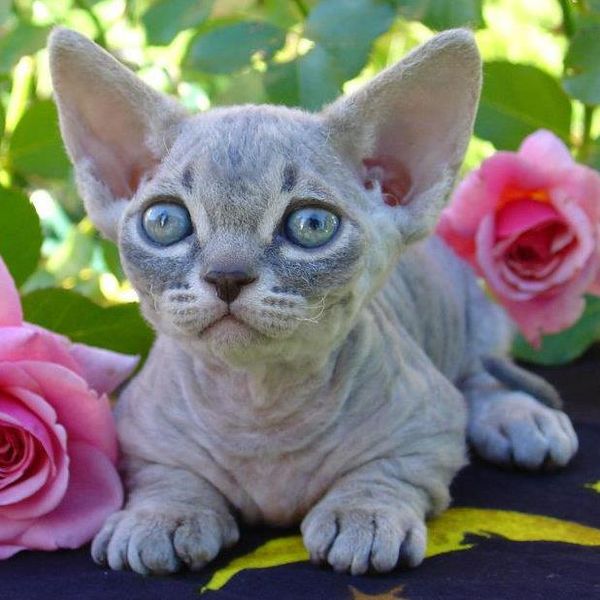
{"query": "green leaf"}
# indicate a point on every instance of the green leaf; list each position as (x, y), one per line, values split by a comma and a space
(346, 29)
(567, 345)
(119, 328)
(230, 48)
(320, 78)
(166, 18)
(594, 157)
(582, 65)
(446, 14)
(23, 40)
(73, 255)
(282, 85)
(20, 234)
(36, 147)
(516, 100)
(111, 257)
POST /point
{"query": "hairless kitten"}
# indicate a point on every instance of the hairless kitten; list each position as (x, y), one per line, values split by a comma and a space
(320, 359)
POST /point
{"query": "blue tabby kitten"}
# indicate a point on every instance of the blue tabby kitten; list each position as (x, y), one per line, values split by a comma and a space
(318, 359)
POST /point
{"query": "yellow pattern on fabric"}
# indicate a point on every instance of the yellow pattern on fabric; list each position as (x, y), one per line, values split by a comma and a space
(389, 595)
(446, 534)
(593, 486)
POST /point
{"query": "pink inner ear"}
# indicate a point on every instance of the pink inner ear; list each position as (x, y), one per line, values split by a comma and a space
(392, 176)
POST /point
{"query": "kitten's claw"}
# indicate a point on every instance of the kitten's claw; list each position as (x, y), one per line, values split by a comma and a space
(355, 540)
(149, 542)
(515, 429)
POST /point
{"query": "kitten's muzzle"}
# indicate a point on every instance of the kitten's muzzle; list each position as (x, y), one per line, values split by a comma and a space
(229, 284)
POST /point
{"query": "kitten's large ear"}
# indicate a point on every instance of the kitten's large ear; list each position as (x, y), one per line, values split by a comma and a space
(115, 127)
(407, 130)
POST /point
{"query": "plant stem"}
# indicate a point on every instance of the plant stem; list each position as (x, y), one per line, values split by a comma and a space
(568, 23)
(585, 145)
(100, 31)
(302, 7)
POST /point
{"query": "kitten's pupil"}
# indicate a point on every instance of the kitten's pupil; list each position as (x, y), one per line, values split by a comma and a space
(162, 220)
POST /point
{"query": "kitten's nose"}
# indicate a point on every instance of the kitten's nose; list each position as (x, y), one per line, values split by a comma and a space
(229, 284)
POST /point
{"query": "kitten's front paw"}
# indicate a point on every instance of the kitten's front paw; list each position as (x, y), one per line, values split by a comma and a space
(515, 429)
(356, 539)
(160, 542)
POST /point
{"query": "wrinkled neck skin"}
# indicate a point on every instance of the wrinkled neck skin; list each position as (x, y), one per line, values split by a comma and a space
(275, 401)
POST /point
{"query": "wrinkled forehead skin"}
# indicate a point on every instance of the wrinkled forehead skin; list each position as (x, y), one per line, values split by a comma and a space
(241, 163)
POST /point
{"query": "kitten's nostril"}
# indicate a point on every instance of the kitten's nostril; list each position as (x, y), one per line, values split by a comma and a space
(229, 284)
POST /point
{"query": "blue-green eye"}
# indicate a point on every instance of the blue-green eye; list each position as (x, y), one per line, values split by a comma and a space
(166, 223)
(311, 227)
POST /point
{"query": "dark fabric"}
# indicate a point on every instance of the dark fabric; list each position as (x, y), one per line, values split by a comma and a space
(506, 560)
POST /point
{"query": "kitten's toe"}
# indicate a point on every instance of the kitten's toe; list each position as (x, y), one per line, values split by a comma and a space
(148, 542)
(197, 541)
(515, 429)
(356, 540)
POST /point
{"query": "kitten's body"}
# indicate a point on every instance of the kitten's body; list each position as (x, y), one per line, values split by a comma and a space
(317, 390)
(250, 433)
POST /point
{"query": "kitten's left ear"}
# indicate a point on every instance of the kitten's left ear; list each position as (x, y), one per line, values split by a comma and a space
(116, 128)
(407, 130)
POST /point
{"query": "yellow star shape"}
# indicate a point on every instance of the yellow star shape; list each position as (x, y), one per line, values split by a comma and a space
(389, 595)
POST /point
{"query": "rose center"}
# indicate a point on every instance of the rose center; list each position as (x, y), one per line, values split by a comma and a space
(15, 450)
(539, 251)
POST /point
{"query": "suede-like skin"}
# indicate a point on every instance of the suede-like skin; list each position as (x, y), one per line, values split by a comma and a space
(338, 389)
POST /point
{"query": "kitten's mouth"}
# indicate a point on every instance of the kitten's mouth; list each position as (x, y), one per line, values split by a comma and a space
(228, 320)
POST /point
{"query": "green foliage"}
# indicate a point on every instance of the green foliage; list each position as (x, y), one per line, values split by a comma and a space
(518, 99)
(582, 64)
(294, 52)
(20, 234)
(23, 39)
(36, 148)
(166, 18)
(119, 328)
(230, 48)
(567, 345)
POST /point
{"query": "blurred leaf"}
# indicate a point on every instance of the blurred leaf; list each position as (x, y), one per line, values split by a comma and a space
(36, 147)
(2, 119)
(166, 18)
(582, 65)
(282, 14)
(412, 10)
(446, 14)
(20, 234)
(242, 88)
(119, 328)
(345, 30)
(516, 100)
(282, 85)
(110, 253)
(594, 157)
(230, 48)
(73, 255)
(5, 11)
(319, 77)
(566, 346)
(24, 39)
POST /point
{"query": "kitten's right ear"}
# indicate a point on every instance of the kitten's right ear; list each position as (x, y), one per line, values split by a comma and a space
(115, 127)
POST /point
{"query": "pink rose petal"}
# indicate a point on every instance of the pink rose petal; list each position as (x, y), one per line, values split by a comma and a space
(546, 151)
(521, 215)
(10, 304)
(85, 415)
(95, 492)
(103, 370)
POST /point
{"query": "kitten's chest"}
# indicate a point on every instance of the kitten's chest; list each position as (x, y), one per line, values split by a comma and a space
(279, 492)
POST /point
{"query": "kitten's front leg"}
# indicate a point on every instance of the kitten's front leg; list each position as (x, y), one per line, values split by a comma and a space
(368, 519)
(172, 517)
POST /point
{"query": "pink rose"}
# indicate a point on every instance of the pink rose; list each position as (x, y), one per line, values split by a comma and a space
(58, 446)
(528, 222)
